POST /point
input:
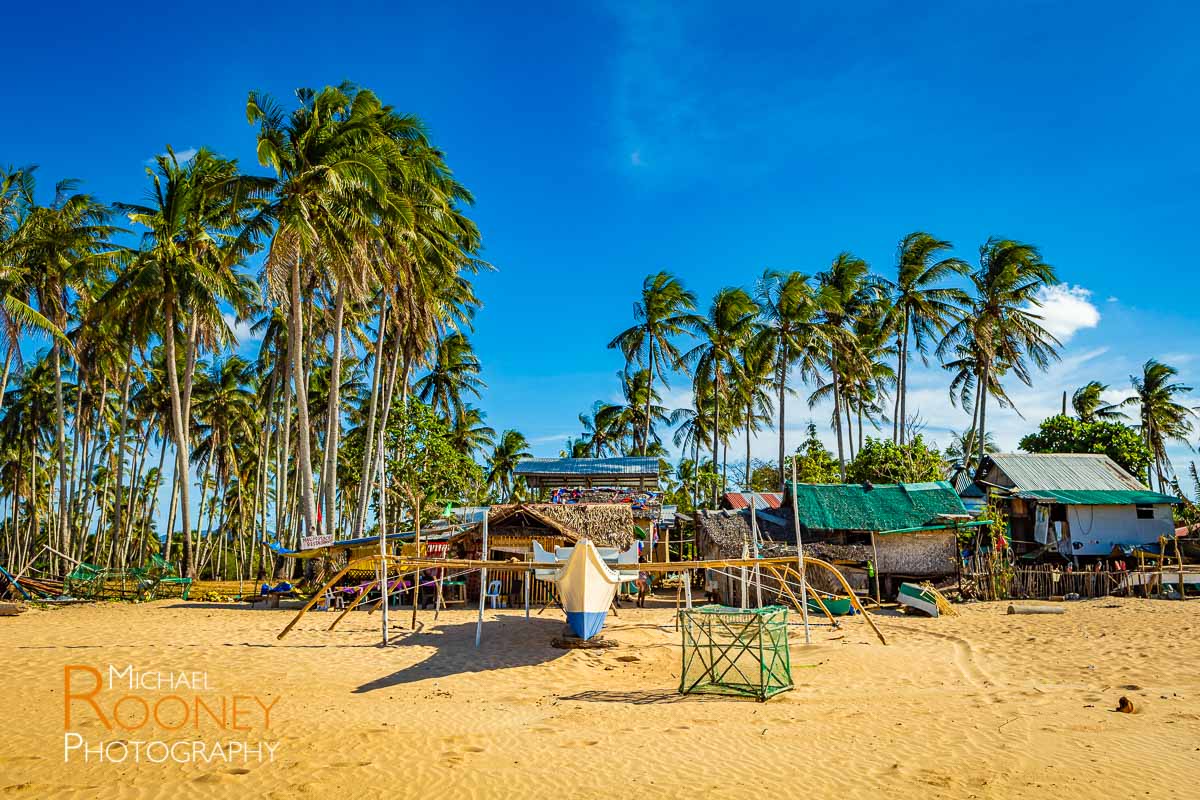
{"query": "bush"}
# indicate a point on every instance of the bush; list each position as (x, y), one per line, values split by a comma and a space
(1063, 434)
(883, 461)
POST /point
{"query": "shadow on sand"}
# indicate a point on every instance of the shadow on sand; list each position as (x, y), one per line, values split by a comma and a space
(508, 641)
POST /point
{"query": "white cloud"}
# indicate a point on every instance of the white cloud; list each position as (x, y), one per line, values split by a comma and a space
(635, 158)
(185, 155)
(1066, 309)
(554, 438)
(242, 332)
(1112, 299)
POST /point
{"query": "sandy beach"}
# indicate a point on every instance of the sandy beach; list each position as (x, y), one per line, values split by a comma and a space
(979, 705)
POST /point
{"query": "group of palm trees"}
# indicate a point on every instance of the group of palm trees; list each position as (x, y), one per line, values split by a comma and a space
(363, 303)
(849, 336)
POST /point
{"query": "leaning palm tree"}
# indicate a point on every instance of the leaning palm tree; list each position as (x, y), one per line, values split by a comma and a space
(1162, 418)
(1003, 329)
(510, 450)
(728, 326)
(664, 312)
(1089, 404)
(789, 321)
(751, 390)
(922, 307)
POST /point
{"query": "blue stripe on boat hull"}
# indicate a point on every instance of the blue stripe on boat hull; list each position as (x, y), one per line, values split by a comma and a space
(586, 624)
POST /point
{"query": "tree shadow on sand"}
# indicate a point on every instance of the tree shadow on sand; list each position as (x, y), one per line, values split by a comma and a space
(508, 641)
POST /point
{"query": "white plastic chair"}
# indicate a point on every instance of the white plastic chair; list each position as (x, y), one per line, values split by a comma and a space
(493, 595)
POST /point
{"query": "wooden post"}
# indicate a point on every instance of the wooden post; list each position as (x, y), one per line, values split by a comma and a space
(757, 568)
(528, 584)
(417, 540)
(383, 568)
(482, 578)
(800, 557)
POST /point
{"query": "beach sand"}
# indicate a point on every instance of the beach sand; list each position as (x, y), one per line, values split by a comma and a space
(979, 705)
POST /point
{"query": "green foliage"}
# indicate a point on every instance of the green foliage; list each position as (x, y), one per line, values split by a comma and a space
(764, 477)
(883, 461)
(815, 463)
(422, 456)
(1063, 434)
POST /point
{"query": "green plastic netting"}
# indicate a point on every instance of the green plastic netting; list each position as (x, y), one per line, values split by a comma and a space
(735, 651)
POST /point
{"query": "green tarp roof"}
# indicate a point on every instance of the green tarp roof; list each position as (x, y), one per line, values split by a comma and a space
(884, 507)
(1099, 497)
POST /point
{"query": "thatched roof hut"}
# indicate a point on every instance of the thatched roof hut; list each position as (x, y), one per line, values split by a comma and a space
(517, 524)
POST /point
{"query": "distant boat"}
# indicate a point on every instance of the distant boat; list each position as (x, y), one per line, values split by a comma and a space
(586, 585)
(916, 597)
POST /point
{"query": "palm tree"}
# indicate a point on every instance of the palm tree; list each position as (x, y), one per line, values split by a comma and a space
(789, 308)
(665, 311)
(454, 374)
(728, 326)
(751, 387)
(64, 247)
(1089, 404)
(1162, 418)
(845, 290)
(510, 450)
(470, 433)
(963, 448)
(921, 306)
(194, 219)
(1003, 330)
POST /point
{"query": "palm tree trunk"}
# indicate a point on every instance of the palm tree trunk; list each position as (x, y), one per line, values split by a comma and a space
(62, 542)
(982, 430)
(300, 381)
(716, 422)
(329, 471)
(118, 509)
(899, 389)
(181, 441)
(8, 356)
(649, 397)
(749, 413)
(364, 486)
(903, 379)
(783, 366)
(837, 417)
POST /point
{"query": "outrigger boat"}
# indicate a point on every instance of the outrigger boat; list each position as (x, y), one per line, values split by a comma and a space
(586, 582)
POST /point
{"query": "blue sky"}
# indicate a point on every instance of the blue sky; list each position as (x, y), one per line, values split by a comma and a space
(606, 141)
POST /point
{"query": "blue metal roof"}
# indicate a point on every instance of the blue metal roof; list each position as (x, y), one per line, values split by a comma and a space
(624, 465)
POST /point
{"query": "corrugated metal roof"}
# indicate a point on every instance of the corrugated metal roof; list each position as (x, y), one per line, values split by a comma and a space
(738, 500)
(885, 507)
(1054, 471)
(625, 465)
(1100, 497)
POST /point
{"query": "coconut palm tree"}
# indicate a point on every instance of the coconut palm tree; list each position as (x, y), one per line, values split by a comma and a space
(1161, 417)
(194, 223)
(1089, 404)
(64, 247)
(921, 306)
(664, 312)
(470, 433)
(963, 449)
(1003, 329)
(789, 320)
(845, 290)
(510, 450)
(728, 326)
(454, 374)
(751, 387)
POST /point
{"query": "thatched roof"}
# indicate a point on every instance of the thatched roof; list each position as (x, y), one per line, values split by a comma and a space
(606, 524)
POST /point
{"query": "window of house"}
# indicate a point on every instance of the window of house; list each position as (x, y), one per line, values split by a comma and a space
(1145, 512)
